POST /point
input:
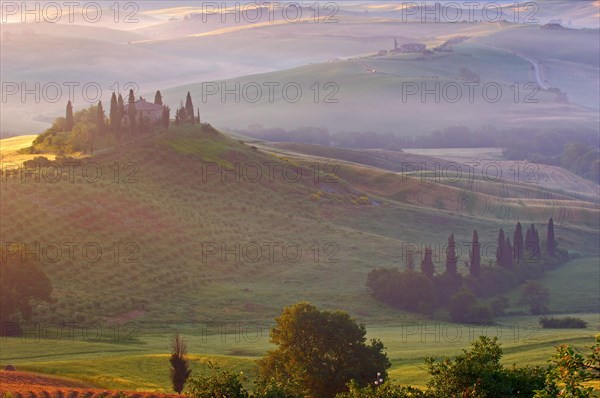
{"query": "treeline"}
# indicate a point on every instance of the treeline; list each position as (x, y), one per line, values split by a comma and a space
(526, 140)
(519, 260)
(575, 150)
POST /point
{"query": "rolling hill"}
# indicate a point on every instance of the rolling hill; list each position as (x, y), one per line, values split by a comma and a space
(193, 239)
(168, 219)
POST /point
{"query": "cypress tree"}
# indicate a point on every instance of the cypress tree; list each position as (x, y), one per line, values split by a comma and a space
(536, 241)
(166, 116)
(427, 264)
(69, 121)
(410, 261)
(189, 107)
(141, 126)
(550, 242)
(532, 245)
(508, 259)
(451, 258)
(527, 252)
(100, 126)
(121, 104)
(158, 98)
(518, 242)
(115, 116)
(501, 250)
(131, 112)
(475, 256)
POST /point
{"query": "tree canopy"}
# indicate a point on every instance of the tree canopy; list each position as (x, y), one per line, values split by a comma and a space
(319, 352)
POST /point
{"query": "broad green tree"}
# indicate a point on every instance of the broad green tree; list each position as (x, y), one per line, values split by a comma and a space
(319, 352)
(21, 284)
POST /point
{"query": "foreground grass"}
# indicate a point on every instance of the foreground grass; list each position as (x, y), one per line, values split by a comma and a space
(143, 364)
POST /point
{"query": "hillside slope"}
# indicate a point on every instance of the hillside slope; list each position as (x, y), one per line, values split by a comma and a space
(170, 235)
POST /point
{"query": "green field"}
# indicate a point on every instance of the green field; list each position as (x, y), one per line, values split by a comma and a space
(168, 216)
(143, 364)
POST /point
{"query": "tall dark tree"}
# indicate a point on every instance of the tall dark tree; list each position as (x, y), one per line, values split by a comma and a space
(427, 267)
(451, 258)
(166, 116)
(115, 115)
(518, 243)
(180, 370)
(532, 245)
(189, 107)
(410, 261)
(527, 254)
(550, 241)
(141, 124)
(501, 249)
(132, 112)
(198, 118)
(508, 259)
(121, 104)
(158, 98)
(69, 121)
(475, 256)
(100, 116)
(538, 246)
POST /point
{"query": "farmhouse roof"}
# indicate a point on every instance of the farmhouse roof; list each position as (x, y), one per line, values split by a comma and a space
(143, 105)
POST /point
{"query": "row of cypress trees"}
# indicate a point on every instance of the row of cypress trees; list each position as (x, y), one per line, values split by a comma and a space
(525, 249)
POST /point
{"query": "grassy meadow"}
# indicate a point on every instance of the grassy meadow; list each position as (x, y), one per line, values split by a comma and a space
(153, 222)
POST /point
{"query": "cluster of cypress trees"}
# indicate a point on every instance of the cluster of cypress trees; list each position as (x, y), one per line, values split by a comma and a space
(185, 113)
(115, 122)
(522, 250)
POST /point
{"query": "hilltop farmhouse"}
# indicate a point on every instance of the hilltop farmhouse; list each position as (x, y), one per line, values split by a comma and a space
(148, 110)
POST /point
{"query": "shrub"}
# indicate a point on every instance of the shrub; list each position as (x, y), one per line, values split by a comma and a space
(385, 390)
(219, 384)
(479, 373)
(464, 308)
(567, 322)
(499, 305)
(408, 290)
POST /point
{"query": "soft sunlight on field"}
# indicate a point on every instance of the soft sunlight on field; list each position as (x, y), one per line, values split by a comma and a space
(9, 149)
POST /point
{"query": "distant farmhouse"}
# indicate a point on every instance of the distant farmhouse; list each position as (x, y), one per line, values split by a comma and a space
(149, 111)
(408, 47)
